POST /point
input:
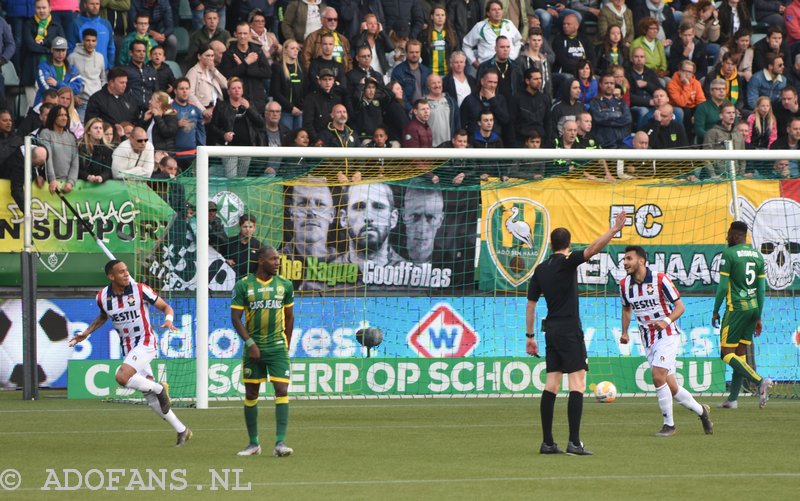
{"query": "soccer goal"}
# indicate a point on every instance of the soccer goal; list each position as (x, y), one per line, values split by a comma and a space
(410, 266)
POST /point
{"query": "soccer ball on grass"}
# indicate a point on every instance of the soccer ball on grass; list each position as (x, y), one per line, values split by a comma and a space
(605, 392)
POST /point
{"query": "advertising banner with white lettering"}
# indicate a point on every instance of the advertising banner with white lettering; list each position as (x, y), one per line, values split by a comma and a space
(380, 376)
(681, 225)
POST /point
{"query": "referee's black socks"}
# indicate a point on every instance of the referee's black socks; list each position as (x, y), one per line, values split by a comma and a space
(547, 406)
(574, 412)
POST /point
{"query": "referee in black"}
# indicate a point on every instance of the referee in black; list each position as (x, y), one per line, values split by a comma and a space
(557, 279)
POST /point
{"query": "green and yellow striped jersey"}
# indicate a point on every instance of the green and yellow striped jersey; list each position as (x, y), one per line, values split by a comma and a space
(263, 304)
(744, 266)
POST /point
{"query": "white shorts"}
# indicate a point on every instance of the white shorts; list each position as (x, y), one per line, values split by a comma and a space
(663, 353)
(140, 357)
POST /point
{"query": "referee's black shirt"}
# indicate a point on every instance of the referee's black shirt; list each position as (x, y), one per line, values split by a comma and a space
(557, 279)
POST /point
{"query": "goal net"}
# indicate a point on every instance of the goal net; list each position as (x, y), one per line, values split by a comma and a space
(410, 267)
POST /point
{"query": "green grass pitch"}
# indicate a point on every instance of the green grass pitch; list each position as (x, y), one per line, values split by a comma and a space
(408, 449)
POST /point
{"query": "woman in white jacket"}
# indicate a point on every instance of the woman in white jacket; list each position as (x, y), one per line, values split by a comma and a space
(206, 81)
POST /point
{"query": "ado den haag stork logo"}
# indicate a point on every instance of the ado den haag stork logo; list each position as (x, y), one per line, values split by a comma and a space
(443, 333)
(516, 236)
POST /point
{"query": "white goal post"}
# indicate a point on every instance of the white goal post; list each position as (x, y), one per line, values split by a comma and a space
(205, 153)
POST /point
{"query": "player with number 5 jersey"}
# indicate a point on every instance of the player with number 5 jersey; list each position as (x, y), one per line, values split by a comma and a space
(741, 285)
(267, 302)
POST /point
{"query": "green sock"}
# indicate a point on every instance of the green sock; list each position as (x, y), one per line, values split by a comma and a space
(281, 420)
(741, 367)
(251, 419)
(736, 385)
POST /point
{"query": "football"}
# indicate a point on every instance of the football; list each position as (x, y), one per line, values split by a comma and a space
(605, 392)
(52, 342)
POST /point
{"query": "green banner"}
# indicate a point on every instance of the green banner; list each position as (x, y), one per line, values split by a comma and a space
(399, 376)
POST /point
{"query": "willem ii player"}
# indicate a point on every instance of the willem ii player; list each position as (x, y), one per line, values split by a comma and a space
(127, 304)
(657, 304)
(267, 301)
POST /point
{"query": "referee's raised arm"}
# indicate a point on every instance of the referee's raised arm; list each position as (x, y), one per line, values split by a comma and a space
(602, 240)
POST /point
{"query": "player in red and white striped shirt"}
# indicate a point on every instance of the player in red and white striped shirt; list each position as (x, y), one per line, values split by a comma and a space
(657, 304)
(127, 304)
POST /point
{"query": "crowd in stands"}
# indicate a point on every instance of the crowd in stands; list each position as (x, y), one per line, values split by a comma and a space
(115, 88)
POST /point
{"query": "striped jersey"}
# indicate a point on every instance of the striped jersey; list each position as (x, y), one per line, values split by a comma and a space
(130, 314)
(650, 301)
(263, 304)
(438, 45)
(744, 267)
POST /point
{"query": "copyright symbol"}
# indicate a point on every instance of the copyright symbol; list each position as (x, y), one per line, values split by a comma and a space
(10, 479)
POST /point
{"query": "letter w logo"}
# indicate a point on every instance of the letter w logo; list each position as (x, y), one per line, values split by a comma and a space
(437, 338)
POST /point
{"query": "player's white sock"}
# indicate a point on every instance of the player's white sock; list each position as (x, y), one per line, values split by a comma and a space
(665, 402)
(169, 417)
(141, 383)
(686, 399)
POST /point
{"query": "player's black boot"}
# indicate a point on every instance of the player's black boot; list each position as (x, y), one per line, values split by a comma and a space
(550, 449)
(578, 450)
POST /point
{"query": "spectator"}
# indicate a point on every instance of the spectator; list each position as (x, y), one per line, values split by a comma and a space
(103, 32)
(62, 159)
(337, 133)
(688, 47)
(706, 27)
(165, 78)
(33, 118)
(200, 39)
(615, 13)
(396, 112)
(366, 111)
(735, 84)
(235, 123)
(763, 127)
(417, 133)
(162, 24)
(64, 13)
(792, 23)
(7, 49)
(790, 141)
(644, 83)
(67, 99)
(302, 18)
(445, 116)
(485, 135)
(142, 79)
(534, 107)
(781, 170)
(773, 43)
(95, 154)
(565, 109)
(610, 115)
(242, 251)
(589, 84)
(161, 121)
(246, 60)
(685, 91)
(486, 98)
(464, 14)
(217, 236)
(134, 157)
(715, 139)
(767, 82)
(612, 50)
(259, 34)
(363, 71)
(17, 14)
(191, 130)
(665, 132)
(438, 41)
(56, 72)
(162, 183)
(458, 84)
(787, 109)
(272, 135)
(742, 53)
(380, 139)
(744, 130)
(508, 71)
(340, 52)
(110, 134)
(374, 37)
(661, 12)
(37, 37)
(567, 141)
(13, 170)
(411, 74)
(706, 115)
(206, 81)
(287, 85)
(655, 56)
(586, 138)
(141, 33)
(404, 18)
(535, 56)
(319, 104)
(90, 66)
(326, 60)
(570, 47)
(770, 12)
(479, 43)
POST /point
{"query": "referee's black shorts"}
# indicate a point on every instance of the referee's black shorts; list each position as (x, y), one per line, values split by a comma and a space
(565, 349)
